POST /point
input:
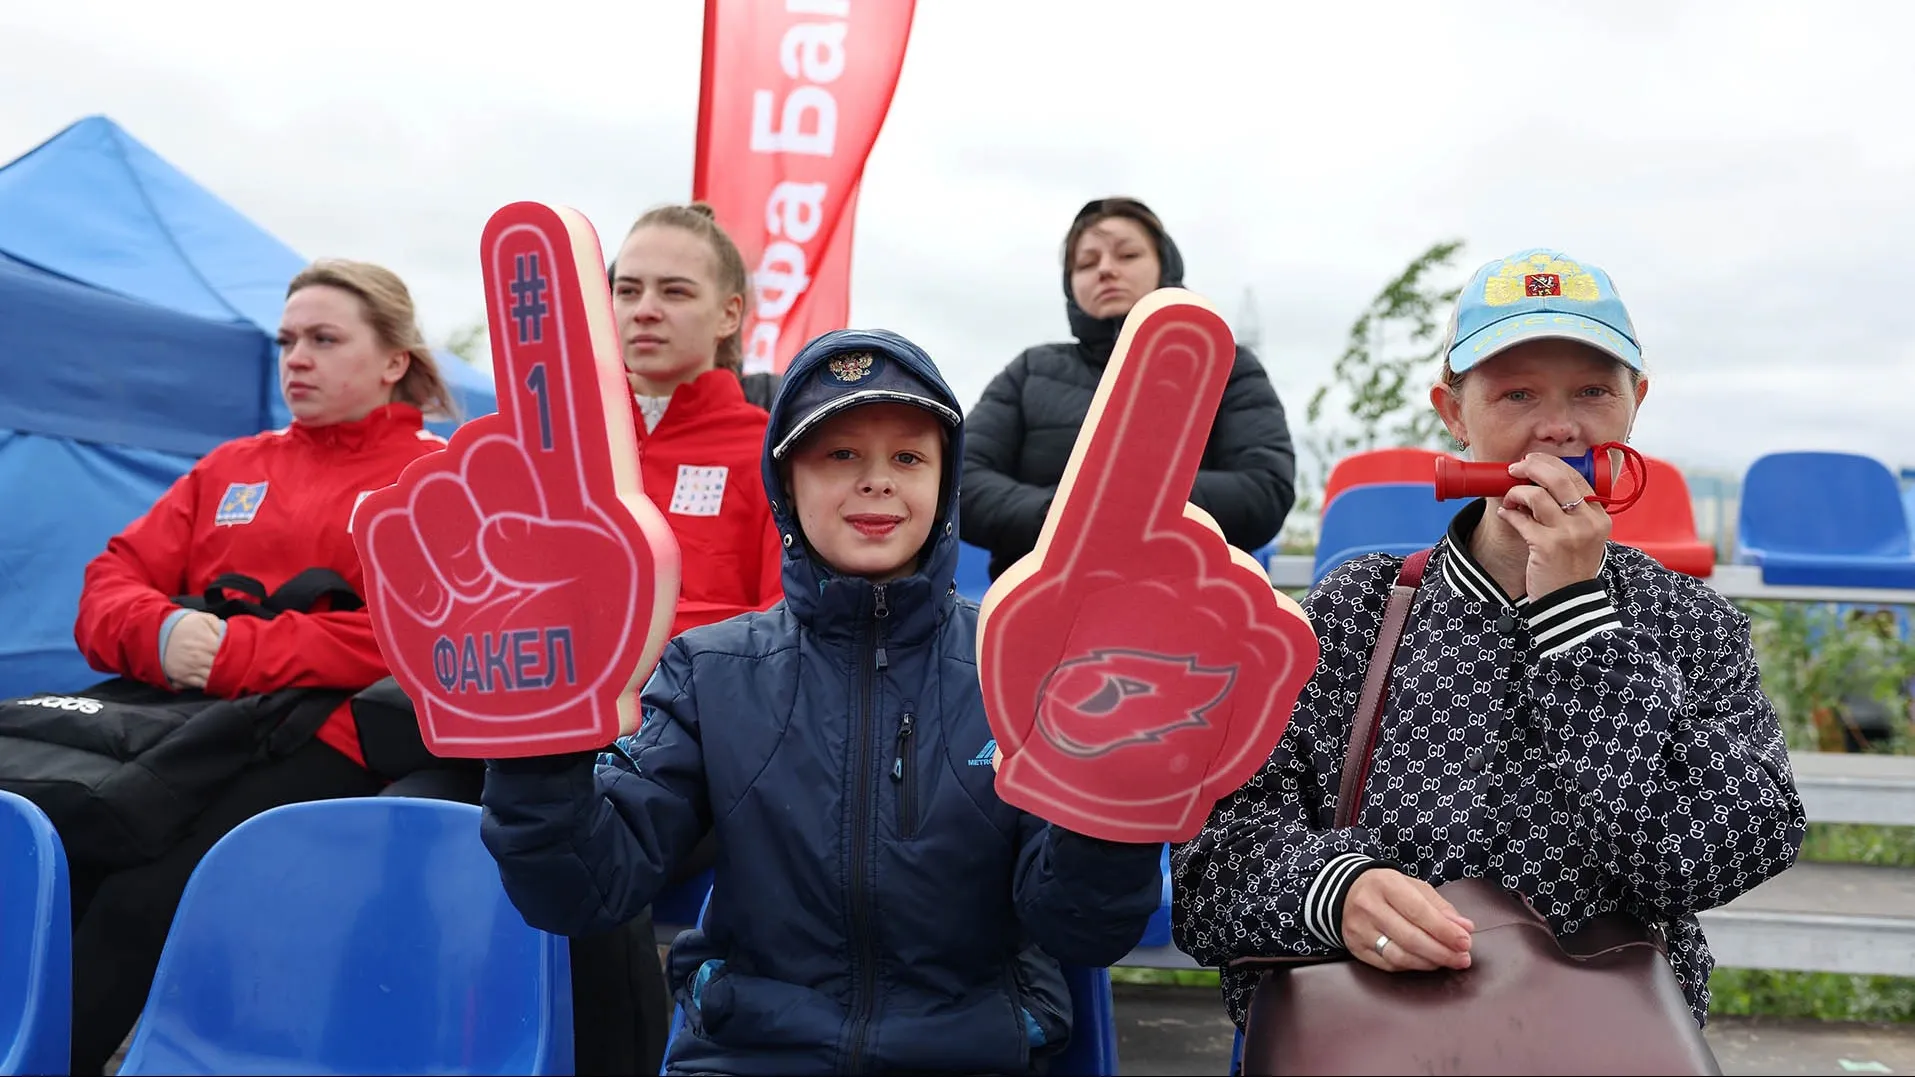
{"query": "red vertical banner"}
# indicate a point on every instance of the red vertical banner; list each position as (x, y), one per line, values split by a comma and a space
(791, 99)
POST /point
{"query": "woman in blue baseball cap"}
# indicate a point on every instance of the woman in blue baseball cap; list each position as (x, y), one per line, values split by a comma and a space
(1563, 716)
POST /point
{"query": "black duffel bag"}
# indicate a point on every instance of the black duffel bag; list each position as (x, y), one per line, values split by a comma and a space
(389, 735)
(124, 768)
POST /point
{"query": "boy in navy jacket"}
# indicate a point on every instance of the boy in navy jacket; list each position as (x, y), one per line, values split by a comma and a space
(875, 906)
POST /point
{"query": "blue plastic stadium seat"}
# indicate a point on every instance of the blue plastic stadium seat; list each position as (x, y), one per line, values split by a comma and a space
(1396, 518)
(364, 935)
(680, 906)
(973, 571)
(1824, 519)
(1093, 1049)
(36, 942)
(678, 1012)
(1157, 932)
(1263, 554)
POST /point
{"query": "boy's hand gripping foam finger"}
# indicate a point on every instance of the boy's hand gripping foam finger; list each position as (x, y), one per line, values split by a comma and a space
(520, 583)
(1135, 667)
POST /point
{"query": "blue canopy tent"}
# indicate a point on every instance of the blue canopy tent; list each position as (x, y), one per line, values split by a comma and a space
(137, 315)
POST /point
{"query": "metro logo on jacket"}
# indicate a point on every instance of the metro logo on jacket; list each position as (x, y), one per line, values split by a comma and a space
(267, 506)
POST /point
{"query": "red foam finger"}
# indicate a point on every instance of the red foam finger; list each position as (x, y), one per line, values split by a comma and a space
(559, 575)
(1135, 667)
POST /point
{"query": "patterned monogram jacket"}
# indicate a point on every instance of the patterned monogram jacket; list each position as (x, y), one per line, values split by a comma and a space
(1606, 745)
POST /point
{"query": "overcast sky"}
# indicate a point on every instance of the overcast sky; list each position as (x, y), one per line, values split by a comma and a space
(1745, 171)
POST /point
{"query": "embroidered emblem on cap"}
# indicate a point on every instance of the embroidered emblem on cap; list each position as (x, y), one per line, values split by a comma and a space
(852, 366)
(1540, 276)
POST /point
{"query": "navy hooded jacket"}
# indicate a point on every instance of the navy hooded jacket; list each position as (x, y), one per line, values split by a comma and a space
(875, 907)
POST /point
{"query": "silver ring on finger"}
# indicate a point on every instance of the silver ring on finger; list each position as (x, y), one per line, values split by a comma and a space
(1381, 942)
(1570, 506)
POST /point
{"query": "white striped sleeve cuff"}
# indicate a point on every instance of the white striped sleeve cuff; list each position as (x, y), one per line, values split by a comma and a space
(1323, 902)
(1571, 615)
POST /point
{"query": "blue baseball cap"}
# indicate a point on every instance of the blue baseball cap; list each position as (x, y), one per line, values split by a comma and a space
(860, 375)
(1539, 295)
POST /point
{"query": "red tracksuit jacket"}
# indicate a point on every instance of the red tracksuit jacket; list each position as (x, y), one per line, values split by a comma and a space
(266, 506)
(701, 468)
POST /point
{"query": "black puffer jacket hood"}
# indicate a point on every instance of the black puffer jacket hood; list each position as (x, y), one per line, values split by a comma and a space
(1098, 336)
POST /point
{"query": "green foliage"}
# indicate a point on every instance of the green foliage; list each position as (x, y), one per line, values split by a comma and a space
(1818, 995)
(471, 343)
(1857, 843)
(1817, 667)
(1392, 356)
(1124, 974)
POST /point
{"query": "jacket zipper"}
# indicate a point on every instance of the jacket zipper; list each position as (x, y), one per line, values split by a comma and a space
(904, 774)
(864, 960)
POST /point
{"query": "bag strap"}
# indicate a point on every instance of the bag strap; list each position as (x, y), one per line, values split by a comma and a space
(233, 595)
(1376, 682)
(301, 593)
(229, 595)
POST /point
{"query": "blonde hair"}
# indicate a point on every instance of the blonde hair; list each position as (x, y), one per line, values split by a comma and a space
(699, 219)
(388, 309)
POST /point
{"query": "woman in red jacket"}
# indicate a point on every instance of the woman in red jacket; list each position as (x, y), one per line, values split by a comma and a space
(359, 380)
(679, 293)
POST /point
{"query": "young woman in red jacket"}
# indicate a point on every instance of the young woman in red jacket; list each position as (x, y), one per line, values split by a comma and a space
(679, 293)
(359, 380)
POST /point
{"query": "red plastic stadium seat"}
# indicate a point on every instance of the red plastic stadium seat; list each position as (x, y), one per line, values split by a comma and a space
(1663, 523)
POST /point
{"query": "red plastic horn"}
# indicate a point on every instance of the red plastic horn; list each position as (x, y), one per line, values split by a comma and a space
(1467, 478)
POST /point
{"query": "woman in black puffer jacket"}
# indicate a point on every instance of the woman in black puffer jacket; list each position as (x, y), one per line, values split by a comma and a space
(1020, 434)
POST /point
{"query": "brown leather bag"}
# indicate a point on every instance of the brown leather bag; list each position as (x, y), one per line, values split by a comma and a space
(1602, 1000)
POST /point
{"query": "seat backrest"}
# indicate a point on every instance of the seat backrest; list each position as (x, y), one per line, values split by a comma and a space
(973, 571)
(683, 904)
(1665, 513)
(1380, 465)
(363, 935)
(1394, 517)
(1832, 503)
(36, 942)
(1093, 1048)
(677, 1024)
(1263, 554)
